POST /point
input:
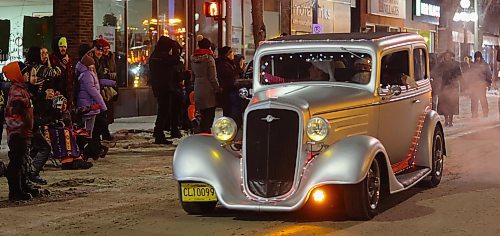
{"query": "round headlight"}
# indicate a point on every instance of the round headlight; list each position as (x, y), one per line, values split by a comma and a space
(317, 129)
(224, 129)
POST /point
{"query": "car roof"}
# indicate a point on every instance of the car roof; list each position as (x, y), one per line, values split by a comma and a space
(377, 41)
(343, 36)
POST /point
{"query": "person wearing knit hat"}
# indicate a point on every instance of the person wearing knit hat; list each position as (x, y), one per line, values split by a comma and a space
(19, 121)
(203, 43)
(87, 61)
(103, 42)
(206, 86)
(225, 51)
(60, 58)
(104, 71)
(90, 94)
(227, 74)
(16, 72)
(479, 84)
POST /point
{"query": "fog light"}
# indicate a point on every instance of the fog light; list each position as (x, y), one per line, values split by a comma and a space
(318, 195)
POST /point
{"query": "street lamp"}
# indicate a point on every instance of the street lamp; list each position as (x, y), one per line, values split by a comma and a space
(467, 16)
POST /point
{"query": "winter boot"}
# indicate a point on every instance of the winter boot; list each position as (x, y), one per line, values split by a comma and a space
(28, 187)
(104, 151)
(16, 193)
(175, 133)
(68, 166)
(160, 139)
(82, 165)
(37, 179)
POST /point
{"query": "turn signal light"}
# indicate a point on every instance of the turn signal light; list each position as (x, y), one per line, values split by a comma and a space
(318, 195)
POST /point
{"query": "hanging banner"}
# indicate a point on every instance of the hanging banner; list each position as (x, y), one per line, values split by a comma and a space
(389, 8)
(107, 33)
(4, 39)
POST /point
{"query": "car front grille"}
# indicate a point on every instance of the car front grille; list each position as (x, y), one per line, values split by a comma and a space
(271, 151)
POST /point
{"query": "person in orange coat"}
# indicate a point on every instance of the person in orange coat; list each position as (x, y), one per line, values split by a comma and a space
(19, 121)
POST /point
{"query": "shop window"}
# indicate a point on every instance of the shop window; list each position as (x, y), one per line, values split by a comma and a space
(394, 29)
(381, 28)
(109, 24)
(393, 67)
(419, 62)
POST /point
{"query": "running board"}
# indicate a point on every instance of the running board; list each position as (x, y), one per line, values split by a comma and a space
(412, 176)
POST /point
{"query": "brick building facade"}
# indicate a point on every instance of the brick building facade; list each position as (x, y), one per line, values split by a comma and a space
(74, 20)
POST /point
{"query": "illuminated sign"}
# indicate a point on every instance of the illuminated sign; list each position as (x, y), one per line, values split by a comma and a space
(427, 9)
(388, 8)
(211, 9)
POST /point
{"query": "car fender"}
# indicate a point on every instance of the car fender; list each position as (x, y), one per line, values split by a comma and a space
(201, 158)
(423, 156)
(347, 162)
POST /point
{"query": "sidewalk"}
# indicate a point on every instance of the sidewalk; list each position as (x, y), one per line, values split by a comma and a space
(464, 121)
(143, 125)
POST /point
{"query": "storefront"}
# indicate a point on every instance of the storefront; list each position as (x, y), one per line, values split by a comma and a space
(425, 19)
(331, 16)
(381, 15)
(23, 25)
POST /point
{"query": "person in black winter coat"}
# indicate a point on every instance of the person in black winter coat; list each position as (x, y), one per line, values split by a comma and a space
(450, 74)
(165, 76)
(41, 95)
(227, 74)
(478, 84)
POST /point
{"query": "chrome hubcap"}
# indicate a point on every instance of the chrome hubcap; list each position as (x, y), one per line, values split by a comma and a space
(438, 156)
(373, 185)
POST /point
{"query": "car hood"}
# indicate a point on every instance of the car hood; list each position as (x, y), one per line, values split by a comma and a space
(317, 98)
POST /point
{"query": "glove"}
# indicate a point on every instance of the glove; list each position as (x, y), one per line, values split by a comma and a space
(95, 107)
(58, 71)
(112, 76)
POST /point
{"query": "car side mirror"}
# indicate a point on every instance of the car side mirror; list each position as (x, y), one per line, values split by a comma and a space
(243, 92)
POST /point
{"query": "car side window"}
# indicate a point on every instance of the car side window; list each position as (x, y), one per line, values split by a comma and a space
(420, 61)
(394, 67)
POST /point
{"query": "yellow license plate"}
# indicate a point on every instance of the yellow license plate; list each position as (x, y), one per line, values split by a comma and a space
(197, 192)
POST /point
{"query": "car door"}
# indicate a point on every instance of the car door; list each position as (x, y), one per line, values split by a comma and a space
(399, 114)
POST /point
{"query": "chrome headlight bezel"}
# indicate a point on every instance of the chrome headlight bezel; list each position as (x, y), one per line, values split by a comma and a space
(317, 129)
(224, 129)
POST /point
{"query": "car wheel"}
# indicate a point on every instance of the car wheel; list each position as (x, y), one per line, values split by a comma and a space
(362, 199)
(437, 159)
(198, 208)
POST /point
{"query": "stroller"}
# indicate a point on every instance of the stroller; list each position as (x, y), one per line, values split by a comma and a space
(70, 142)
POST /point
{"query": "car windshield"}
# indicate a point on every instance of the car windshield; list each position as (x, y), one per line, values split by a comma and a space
(348, 66)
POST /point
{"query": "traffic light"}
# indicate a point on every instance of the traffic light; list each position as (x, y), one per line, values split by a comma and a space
(211, 9)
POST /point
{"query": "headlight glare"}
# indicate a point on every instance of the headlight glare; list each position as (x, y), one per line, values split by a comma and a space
(224, 129)
(317, 129)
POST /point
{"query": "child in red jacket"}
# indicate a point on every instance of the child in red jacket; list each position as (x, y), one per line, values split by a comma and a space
(19, 121)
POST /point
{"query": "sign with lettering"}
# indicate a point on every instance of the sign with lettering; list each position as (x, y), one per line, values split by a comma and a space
(389, 8)
(107, 33)
(427, 11)
(317, 29)
(302, 15)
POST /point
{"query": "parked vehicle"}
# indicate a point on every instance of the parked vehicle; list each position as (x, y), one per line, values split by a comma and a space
(350, 112)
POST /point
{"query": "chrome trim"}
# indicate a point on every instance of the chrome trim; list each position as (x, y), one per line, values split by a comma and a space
(300, 157)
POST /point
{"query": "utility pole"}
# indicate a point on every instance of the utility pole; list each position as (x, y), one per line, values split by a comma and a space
(477, 47)
(220, 25)
(229, 23)
(315, 11)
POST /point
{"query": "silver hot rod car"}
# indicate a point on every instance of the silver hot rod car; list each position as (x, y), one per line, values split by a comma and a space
(351, 111)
